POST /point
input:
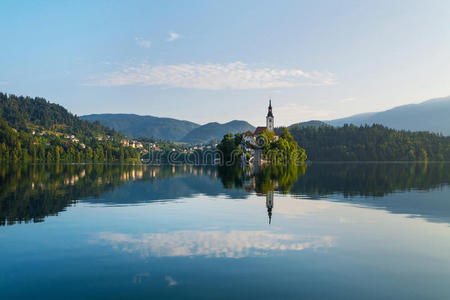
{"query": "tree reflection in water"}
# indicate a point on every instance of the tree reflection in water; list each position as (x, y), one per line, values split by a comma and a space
(29, 193)
(263, 180)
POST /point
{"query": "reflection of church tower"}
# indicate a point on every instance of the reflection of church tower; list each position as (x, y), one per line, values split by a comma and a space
(269, 119)
(269, 204)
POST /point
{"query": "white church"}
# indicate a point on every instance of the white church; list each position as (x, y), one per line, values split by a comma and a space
(250, 137)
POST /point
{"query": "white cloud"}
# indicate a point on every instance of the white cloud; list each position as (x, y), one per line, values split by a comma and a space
(230, 244)
(143, 42)
(236, 75)
(173, 36)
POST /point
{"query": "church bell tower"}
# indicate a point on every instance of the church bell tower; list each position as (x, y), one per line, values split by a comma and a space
(269, 119)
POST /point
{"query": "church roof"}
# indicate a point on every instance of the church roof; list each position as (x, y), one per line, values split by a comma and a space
(259, 129)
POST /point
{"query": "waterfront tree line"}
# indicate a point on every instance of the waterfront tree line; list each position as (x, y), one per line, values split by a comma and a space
(24, 147)
(370, 143)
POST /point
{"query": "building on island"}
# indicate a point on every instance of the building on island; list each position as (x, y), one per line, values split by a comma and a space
(253, 144)
(251, 137)
(270, 125)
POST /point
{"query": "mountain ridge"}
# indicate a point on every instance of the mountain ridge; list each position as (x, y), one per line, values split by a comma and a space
(170, 129)
(215, 131)
(144, 126)
(430, 115)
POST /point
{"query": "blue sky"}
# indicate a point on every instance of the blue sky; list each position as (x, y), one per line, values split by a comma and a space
(221, 60)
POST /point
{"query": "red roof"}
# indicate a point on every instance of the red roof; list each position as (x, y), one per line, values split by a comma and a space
(259, 130)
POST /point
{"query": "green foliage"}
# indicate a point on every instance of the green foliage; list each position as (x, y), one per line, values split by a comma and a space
(230, 149)
(25, 114)
(370, 143)
(20, 116)
(283, 150)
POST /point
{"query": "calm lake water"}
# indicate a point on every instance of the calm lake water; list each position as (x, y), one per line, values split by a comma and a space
(348, 231)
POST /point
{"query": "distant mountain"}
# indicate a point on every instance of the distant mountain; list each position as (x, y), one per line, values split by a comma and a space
(145, 126)
(432, 115)
(215, 131)
(312, 123)
(167, 128)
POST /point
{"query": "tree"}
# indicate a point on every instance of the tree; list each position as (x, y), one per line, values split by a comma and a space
(229, 148)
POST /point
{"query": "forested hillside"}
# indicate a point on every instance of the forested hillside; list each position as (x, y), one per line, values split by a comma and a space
(169, 129)
(145, 126)
(33, 129)
(215, 131)
(370, 143)
(28, 114)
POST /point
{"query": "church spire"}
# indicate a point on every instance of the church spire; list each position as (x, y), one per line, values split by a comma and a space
(269, 119)
(269, 113)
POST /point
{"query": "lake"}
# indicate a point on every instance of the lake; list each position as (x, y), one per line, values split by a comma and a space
(337, 230)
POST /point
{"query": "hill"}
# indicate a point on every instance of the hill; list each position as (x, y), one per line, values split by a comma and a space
(33, 129)
(431, 115)
(28, 114)
(312, 123)
(145, 126)
(370, 143)
(215, 131)
(167, 128)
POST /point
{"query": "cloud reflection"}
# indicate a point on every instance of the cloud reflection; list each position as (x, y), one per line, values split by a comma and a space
(171, 281)
(229, 244)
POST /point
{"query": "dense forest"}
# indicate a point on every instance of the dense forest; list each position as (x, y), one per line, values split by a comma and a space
(370, 143)
(35, 130)
(28, 114)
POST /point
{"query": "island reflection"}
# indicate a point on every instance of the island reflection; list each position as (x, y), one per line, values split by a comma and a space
(29, 193)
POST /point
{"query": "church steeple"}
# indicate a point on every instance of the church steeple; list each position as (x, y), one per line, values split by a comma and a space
(269, 119)
(269, 113)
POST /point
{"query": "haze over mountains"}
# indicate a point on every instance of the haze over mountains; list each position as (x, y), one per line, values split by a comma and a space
(432, 115)
(145, 126)
(168, 128)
